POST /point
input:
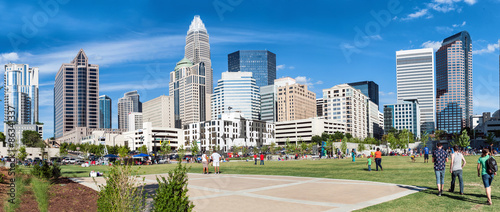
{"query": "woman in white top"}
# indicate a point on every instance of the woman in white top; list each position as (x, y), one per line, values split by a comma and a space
(457, 163)
(204, 161)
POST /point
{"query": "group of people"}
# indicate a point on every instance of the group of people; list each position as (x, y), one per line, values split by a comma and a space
(440, 158)
(215, 159)
(378, 160)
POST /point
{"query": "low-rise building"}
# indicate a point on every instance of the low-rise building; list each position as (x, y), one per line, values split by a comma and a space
(20, 128)
(78, 134)
(153, 137)
(304, 129)
(404, 115)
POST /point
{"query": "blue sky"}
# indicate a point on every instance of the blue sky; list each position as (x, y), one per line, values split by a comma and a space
(320, 43)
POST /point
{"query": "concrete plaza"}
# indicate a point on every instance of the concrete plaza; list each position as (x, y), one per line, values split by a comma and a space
(229, 192)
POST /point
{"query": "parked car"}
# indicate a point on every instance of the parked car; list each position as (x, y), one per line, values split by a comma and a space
(80, 162)
(72, 161)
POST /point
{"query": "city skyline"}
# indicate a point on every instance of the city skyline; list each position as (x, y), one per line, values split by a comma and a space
(302, 44)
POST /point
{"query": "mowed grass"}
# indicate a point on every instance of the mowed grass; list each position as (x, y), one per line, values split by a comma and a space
(397, 169)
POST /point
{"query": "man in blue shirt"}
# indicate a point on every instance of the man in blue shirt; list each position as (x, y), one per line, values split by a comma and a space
(439, 157)
(426, 154)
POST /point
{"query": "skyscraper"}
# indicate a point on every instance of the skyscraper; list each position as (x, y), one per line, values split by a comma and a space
(454, 83)
(76, 91)
(261, 63)
(197, 50)
(105, 120)
(295, 101)
(415, 80)
(187, 86)
(393, 118)
(130, 102)
(236, 91)
(159, 111)
(368, 88)
(21, 93)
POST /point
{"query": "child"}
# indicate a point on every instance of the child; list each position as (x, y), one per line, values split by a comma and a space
(369, 163)
(413, 158)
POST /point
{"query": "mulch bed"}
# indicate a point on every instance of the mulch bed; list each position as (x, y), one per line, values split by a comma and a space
(65, 195)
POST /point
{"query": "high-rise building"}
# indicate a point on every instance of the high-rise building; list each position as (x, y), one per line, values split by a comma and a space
(21, 100)
(187, 86)
(415, 80)
(21, 93)
(368, 88)
(159, 111)
(76, 95)
(454, 102)
(130, 102)
(236, 91)
(295, 101)
(105, 114)
(348, 105)
(404, 115)
(261, 63)
(319, 107)
(134, 121)
(197, 50)
(269, 99)
(375, 128)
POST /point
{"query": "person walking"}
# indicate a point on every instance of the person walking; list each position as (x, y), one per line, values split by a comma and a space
(426, 154)
(456, 165)
(439, 157)
(261, 158)
(353, 154)
(483, 172)
(216, 162)
(204, 162)
(255, 158)
(378, 159)
(369, 163)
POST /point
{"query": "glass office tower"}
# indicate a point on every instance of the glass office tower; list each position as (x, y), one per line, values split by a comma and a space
(368, 88)
(105, 112)
(261, 63)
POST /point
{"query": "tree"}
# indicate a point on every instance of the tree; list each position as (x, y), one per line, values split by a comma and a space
(236, 149)
(490, 139)
(424, 138)
(172, 193)
(194, 148)
(343, 145)
(337, 136)
(405, 137)
(361, 147)
(143, 149)
(165, 148)
(22, 153)
(245, 151)
(181, 151)
(439, 134)
(348, 135)
(303, 147)
(310, 147)
(123, 151)
(31, 139)
(325, 136)
(265, 148)
(316, 139)
(273, 148)
(2, 138)
(393, 141)
(288, 146)
(463, 140)
(329, 146)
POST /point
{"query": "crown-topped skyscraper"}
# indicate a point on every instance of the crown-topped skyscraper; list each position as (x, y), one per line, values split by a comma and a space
(198, 49)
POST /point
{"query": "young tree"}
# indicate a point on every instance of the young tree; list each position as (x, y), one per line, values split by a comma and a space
(172, 193)
(273, 148)
(393, 141)
(265, 148)
(303, 147)
(194, 148)
(123, 152)
(31, 138)
(348, 135)
(143, 149)
(316, 139)
(440, 135)
(490, 139)
(165, 148)
(22, 153)
(424, 138)
(343, 145)
(361, 147)
(405, 137)
(463, 140)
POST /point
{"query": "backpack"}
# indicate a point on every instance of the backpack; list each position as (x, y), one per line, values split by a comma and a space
(491, 165)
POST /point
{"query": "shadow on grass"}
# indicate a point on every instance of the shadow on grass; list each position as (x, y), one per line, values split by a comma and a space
(434, 191)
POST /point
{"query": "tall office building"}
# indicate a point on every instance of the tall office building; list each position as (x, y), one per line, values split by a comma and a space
(21, 93)
(269, 99)
(105, 120)
(404, 115)
(134, 121)
(261, 63)
(368, 88)
(295, 101)
(236, 91)
(159, 111)
(454, 83)
(197, 50)
(343, 103)
(76, 95)
(319, 107)
(187, 86)
(130, 102)
(415, 80)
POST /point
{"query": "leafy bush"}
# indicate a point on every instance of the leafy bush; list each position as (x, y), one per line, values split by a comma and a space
(56, 171)
(46, 172)
(121, 192)
(171, 194)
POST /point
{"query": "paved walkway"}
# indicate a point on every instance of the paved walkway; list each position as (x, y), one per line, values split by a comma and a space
(228, 192)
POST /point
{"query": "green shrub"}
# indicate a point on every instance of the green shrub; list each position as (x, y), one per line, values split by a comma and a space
(171, 194)
(10, 205)
(44, 171)
(56, 171)
(41, 189)
(121, 192)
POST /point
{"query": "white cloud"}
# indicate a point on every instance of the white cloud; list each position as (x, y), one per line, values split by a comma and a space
(291, 67)
(470, 2)
(416, 14)
(280, 67)
(444, 30)
(459, 25)
(307, 81)
(375, 37)
(489, 49)
(8, 57)
(382, 93)
(432, 44)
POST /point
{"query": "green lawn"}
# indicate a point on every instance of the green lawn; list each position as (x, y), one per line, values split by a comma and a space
(399, 170)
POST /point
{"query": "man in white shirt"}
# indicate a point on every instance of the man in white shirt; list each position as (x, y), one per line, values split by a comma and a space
(216, 161)
(204, 161)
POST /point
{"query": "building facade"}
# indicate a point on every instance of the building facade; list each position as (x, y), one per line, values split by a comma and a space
(21, 93)
(105, 112)
(261, 63)
(375, 128)
(78, 134)
(454, 100)
(134, 121)
(415, 80)
(76, 95)
(404, 115)
(319, 107)
(129, 103)
(268, 103)
(295, 102)
(197, 50)
(368, 88)
(345, 104)
(232, 129)
(159, 111)
(187, 87)
(236, 91)
(303, 130)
